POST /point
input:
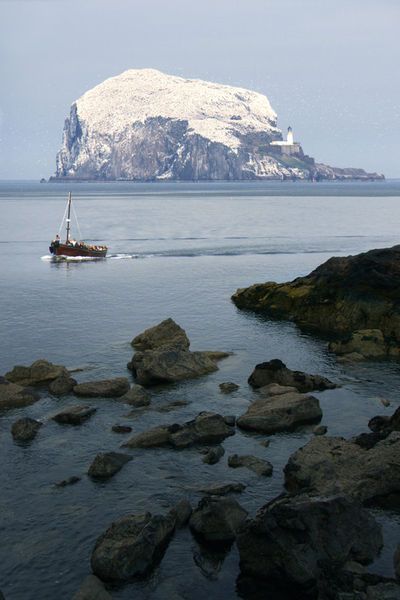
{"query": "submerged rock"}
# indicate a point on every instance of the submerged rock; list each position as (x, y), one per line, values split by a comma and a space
(228, 387)
(343, 296)
(106, 388)
(217, 519)
(69, 481)
(206, 428)
(275, 371)
(223, 489)
(131, 546)
(121, 429)
(64, 384)
(258, 465)
(164, 356)
(281, 413)
(75, 415)
(106, 464)
(136, 396)
(25, 429)
(13, 395)
(333, 465)
(92, 589)
(41, 372)
(293, 540)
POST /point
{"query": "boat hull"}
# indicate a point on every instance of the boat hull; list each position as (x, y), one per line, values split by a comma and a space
(69, 250)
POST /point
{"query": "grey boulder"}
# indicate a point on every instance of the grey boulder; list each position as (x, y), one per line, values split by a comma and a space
(106, 464)
(217, 519)
(74, 415)
(25, 429)
(136, 396)
(105, 388)
(131, 546)
(41, 372)
(275, 371)
(257, 465)
(64, 384)
(13, 395)
(333, 465)
(213, 455)
(281, 413)
(206, 428)
(166, 333)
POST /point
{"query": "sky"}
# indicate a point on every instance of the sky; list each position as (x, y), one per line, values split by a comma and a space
(328, 67)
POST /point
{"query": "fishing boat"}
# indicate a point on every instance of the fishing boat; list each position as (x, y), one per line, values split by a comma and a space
(72, 247)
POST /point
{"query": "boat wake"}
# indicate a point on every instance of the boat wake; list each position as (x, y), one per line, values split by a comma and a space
(57, 259)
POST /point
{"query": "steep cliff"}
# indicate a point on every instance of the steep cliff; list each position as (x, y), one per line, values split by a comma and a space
(144, 125)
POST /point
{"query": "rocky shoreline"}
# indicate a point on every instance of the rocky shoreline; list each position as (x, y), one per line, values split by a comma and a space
(314, 541)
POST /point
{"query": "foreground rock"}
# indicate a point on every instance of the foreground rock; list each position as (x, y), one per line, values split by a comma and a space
(106, 464)
(75, 415)
(293, 540)
(285, 412)
(164, 356)
(275, 371)
(92, 589)
(64, 384)
(206, 428)
(106, 388)
(332, 465)
(41, 372)
(15, 396)
(343, 296)
(166, 333)
(217, 519)
(257, 465)
(25, 429)
(132, 546)
(136, 396)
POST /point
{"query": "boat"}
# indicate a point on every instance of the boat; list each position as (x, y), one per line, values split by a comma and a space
(72, 247)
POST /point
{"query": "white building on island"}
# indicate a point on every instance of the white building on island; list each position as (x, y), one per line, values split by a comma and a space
(288, 146)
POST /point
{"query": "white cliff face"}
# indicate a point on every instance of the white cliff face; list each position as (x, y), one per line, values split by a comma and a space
(145, 125)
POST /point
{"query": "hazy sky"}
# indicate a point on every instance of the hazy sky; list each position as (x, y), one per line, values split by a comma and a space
(330, 68)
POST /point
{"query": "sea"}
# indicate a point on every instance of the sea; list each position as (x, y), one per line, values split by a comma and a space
(180, 251)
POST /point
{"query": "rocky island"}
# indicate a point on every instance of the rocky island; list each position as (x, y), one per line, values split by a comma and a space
(144, 125)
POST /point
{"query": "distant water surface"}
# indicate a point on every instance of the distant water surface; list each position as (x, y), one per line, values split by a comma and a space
(176, 250)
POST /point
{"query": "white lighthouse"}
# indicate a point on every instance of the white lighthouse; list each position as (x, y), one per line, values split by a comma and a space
(288, 146)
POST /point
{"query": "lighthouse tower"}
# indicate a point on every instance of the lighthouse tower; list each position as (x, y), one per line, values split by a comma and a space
(289, 137)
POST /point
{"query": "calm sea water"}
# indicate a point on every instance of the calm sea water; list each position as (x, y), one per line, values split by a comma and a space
(175, 251)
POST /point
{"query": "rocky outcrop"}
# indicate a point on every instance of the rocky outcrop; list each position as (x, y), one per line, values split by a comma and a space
(217, 519)
(41, 372)
(257, 465)
(343, 297)
(92, 589)
(15, 396)
(146, 125)
(276, 372)
(136, 396)
(132, 545)
(106, 464)
(106, 388)
(74, 415)
(164, 356)
(25, 429)
(293, 541)
(285, 412)
(333, 465)
(206, 428)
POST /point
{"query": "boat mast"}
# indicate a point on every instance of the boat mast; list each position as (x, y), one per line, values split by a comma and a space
(68, 217)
